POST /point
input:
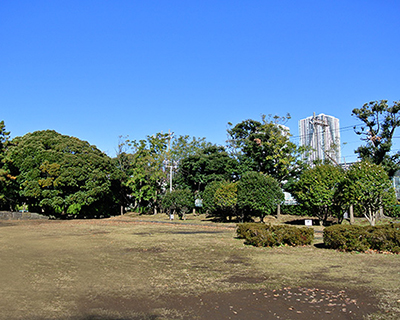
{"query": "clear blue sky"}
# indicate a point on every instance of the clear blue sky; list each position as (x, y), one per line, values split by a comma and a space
(99, 69)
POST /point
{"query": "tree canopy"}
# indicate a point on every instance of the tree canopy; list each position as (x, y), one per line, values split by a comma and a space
(265, 147)
(368, 186)
(379, 124)
(61, 175)
(8, 187)
(317, 190)
(258, 194)
(207, 165)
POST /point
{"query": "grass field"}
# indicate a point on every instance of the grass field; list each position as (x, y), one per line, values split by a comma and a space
(143, 267)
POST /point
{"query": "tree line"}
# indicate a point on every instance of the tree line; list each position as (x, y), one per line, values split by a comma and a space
(63, 176)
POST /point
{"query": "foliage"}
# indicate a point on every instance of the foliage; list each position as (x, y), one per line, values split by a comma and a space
(379, 124)
(265, 147)
(148, 171)
(208, 195)
(180, 201)
(368, 187)
(358, 238)
(294, 209)
(122, 171)
(61, 175)
(262, 235)
(393, 211)
(184, 146)
(317, 191)
(225, 198)
(147, 174)
(209, 164)
(8, 187)
(258, 194)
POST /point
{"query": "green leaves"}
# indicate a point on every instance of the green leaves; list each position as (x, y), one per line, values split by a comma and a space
(258, 194)
(265, 147)
(209, 164)
(62, 175)
(379, 124)
(368, 186)
(317, 190)
(180, 200)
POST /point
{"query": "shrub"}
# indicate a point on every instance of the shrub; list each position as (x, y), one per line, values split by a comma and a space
(262, 235)
(358, 238)
(385, 238)
(346, 237)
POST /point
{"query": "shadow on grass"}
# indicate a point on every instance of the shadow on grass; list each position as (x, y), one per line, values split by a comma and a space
(320, 245)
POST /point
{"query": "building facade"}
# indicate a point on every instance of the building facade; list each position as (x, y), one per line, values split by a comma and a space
(321, 133)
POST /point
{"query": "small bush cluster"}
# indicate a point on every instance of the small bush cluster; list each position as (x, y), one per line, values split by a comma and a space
(265, 235)
(385, 238)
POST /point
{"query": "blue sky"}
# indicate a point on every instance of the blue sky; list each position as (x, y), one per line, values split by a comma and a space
(99, 69)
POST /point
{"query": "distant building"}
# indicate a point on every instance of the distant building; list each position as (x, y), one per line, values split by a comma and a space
(320, 133)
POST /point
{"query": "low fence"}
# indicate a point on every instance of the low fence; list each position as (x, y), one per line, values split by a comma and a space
(11, 215)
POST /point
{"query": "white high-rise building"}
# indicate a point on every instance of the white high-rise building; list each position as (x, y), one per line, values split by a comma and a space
(321, 133)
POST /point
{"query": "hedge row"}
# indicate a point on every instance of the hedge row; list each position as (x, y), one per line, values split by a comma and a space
(358, 238)
(265, 235)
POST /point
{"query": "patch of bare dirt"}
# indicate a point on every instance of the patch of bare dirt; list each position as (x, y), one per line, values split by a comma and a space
(286, 303)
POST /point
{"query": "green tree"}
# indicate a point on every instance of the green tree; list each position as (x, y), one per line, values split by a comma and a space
(209, 164)
(265, 147)
(368, 186)
(317, 190)
(225, 199)
(148, 172)
(258, 195)
(208, 195)
(8, 186)
(123, 170)
(379, 124)
(178, 201)
(61, 175)
(182, 147)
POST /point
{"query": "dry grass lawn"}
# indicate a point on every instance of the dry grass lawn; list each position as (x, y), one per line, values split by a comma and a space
(121, 268)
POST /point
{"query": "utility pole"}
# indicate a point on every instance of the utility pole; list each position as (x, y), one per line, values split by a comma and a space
(317, 122)
(170, 159)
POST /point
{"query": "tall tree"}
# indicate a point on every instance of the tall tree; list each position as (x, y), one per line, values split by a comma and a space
(123, 170)
(147, 171)
(317, 191)
(209, 164)
(148, 174)
(8, 187)
(265, 147)
(379, 124)
(367, 186)
(61, 175)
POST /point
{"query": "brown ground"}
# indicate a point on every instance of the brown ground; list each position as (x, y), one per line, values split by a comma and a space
(121, 269)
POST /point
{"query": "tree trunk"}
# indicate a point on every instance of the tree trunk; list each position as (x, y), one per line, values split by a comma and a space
(351, 212)
(122, 210)
(278, 211)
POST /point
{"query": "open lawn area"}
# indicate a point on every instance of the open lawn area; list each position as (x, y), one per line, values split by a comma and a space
(144, 267)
